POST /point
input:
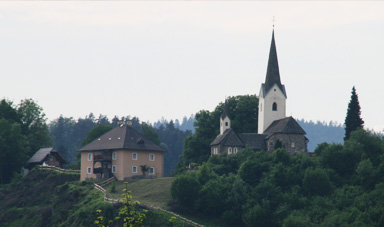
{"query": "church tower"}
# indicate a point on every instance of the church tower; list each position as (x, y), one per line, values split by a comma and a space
(225, 122)
(272, 96)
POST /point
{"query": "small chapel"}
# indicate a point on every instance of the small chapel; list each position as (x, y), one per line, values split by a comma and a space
(275, 129)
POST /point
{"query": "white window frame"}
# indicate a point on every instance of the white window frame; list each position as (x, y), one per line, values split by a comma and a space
(150, 155)
(133, 156)
(114, 155)
(134, 168)
(229, 150)
(90, 156)
(293, 144)
(89, 170)
(215, 150)
(153, 170)
(235, 150)
(114, 169)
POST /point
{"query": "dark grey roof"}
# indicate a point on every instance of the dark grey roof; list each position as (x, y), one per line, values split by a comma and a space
(232, 138)
(254, 140)
(228, 138)
(273, 73)
(122, 137)
(286, 125)
(41, 154)
(225, 111)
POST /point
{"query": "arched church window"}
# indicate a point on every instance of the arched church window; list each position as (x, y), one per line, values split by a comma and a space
(235, 150)
(229, 150)
(226, 123)
(274, 107)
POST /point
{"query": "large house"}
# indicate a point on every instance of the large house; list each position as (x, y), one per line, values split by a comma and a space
(121, 152)
(275, 129)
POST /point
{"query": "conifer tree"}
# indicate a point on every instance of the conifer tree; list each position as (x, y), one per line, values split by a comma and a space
(353, 120)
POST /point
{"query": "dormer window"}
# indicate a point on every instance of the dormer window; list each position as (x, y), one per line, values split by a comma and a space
(141, 141)
(274, 107)
(226, 123)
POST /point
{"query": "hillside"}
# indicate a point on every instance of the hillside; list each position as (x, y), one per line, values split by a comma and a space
(49, 198)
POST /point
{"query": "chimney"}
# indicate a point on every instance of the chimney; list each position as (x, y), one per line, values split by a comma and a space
(129, 122)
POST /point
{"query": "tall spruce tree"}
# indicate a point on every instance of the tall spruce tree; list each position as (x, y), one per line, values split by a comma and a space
(353, 120)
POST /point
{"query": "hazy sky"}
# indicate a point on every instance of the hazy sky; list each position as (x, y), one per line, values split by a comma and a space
(170, 59)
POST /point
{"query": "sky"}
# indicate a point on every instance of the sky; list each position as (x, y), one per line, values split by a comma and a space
(171, 59)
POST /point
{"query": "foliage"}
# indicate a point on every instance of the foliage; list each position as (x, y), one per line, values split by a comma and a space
(337, 185)
(144, 169)
(353, 119)
(185, 189)
(23, 132)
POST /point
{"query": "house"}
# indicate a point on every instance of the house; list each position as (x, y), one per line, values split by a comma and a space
(121, 152)
(275, 129)
(46, 156)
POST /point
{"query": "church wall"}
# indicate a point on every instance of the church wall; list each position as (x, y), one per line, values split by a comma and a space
(293, 143)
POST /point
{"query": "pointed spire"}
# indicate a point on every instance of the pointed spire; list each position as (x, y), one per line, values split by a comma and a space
(273, 74)
(225, 111)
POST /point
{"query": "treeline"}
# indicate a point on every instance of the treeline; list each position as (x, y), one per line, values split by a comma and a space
(339, 185)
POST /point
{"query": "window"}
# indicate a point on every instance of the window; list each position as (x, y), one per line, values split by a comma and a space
(113, 169)
(235, 150)
(114, 156)
(134, 169)
(226, 123)
(215, 150)
(134, 156)
(229, 150)
(274, 107)
(89, 170)
(89, 156)
(151, 157)
(293, 144)
(152, 170)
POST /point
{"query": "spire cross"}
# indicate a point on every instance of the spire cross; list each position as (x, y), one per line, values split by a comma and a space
(273, 21)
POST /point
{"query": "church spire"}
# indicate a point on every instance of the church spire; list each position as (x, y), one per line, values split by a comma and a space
(273, 74)
(225, 111)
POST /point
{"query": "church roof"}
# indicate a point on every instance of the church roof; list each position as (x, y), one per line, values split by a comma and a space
(286, 125)
(273, 73)
(254, 140)
(228, 138)
(122, 137)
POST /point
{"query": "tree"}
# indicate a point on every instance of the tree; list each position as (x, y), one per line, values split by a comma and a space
(353, 120)
(144, 169)
(185, 189)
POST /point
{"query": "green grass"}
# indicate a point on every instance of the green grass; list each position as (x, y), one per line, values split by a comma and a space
(154, 192)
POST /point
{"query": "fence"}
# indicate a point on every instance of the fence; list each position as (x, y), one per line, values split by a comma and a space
(59, 169)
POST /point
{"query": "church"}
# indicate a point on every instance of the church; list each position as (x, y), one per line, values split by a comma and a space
(275, 129)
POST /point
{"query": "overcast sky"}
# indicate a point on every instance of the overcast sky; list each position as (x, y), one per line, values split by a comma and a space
(170, 59)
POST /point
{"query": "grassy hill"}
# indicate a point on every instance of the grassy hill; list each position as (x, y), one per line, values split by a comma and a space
(49, 198)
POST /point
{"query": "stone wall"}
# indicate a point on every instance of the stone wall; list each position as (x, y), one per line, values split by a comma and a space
(293, 143)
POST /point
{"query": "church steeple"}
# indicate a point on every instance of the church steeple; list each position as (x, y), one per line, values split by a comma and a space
(273, 73)
(225, 122)
(272, 96)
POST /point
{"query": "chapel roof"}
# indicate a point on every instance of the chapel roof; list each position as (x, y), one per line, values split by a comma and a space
(41, 154)
(286, 125)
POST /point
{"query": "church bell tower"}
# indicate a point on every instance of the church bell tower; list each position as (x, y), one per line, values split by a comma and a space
(272, 96)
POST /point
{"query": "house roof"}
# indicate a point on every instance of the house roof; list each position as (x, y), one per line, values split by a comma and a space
(41, 154)
(228, 138)
(273, 73)
(286, 125)
(122, 137)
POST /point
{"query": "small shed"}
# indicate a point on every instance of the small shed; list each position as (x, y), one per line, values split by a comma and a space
(46, 156)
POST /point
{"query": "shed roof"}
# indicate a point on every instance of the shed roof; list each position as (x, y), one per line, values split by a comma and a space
(122, 137)
(41, 154)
